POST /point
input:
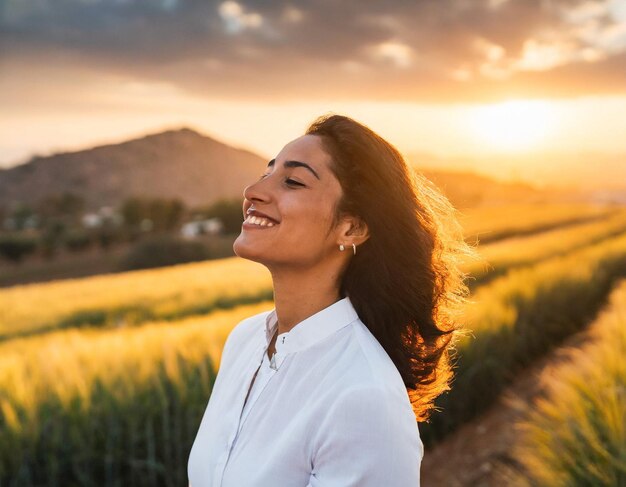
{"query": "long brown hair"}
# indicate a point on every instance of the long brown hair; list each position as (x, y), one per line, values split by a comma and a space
(405, 282)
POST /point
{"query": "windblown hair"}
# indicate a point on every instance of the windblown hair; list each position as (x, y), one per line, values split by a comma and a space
(405, 281)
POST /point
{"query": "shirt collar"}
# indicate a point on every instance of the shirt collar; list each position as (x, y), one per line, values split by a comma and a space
(312, 329)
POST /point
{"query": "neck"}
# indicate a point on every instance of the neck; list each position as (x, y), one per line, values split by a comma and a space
(300, 294)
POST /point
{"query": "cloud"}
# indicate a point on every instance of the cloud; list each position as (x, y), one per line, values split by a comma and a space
(235, 19)
(397, 53)
(431, 50)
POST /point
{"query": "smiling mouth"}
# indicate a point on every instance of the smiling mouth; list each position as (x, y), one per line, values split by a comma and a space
(257, 221)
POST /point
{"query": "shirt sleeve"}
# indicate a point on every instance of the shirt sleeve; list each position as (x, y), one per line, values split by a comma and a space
(367, 440)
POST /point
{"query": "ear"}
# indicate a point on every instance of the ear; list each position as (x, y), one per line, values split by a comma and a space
(354, 230)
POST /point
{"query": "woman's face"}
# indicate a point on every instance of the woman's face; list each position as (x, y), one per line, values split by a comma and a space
(298, 192)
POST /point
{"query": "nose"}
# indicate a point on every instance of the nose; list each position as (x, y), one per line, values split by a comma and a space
(257, 191)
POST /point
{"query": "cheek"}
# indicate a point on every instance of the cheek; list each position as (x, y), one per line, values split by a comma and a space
(317, 223)
(313, 214)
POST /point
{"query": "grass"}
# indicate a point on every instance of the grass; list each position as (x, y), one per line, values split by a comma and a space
(108, 407)
(175, 292)
(132, 298)
(491, 223)
(503, 256)
(518, 318)
(575, 433)
(103, 380)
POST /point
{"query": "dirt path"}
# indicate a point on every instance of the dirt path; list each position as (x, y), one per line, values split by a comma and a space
(478, 455)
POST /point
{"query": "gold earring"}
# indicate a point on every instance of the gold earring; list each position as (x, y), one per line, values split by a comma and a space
(354, 249)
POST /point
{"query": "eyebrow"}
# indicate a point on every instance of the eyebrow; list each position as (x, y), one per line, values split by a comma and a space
(295, 164)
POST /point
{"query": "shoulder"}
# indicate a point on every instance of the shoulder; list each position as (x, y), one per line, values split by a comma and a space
(248, 326)
(363, 382)
(368, 386)
(374, 369)
(244, 331)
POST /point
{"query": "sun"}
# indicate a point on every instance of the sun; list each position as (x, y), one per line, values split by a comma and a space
(514, 125)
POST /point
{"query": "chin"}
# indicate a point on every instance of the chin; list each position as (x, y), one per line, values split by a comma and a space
(244, 251)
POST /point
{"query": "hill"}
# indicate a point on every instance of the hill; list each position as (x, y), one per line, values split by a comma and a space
(469, 189)
(198, 169)
(177, 163)
(586, 171)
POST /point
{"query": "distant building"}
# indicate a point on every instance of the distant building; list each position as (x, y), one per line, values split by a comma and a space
(91, 220)
(211, 226)
(104, 214)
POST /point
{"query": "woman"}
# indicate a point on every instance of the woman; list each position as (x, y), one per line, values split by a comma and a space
(325, 389)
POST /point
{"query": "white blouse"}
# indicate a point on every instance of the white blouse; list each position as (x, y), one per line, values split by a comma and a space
(330, 411)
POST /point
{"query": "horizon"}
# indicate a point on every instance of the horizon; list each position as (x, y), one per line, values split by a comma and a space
(468, 145)
(440, 163)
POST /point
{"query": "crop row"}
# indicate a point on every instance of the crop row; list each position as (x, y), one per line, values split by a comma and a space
(132, 298)
(575, 433)
(181, 291)
(108, 407)
(519, 317)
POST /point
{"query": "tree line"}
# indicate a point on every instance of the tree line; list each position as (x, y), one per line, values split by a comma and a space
(61, 222)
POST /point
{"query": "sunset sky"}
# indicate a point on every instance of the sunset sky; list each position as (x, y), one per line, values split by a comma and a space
(447, 77)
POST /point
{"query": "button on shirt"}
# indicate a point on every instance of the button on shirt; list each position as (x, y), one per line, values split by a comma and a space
(329, 410)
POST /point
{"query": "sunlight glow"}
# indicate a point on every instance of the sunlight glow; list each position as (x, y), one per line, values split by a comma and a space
(514, 125)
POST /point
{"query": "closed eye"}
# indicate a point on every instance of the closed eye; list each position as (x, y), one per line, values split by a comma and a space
(293, 183)
(288, 181)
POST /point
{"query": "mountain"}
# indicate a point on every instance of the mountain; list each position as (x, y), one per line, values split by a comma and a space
(584, 171)
(467, 189)
(199, 170)
(173, 164)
